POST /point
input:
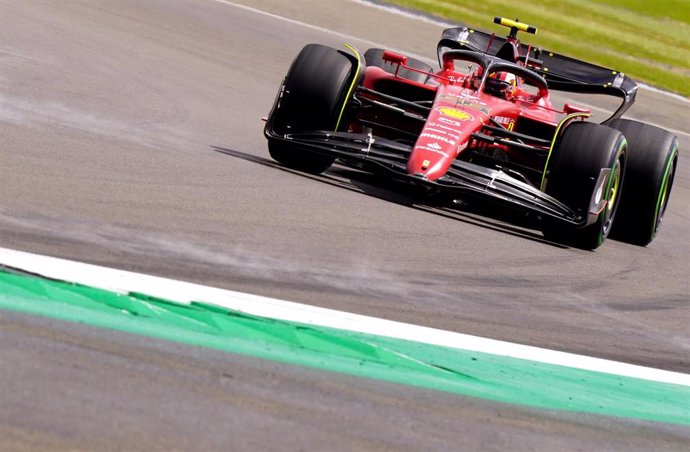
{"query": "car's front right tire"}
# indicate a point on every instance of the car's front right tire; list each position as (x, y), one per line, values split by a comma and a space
(652, 161)
(573, 170)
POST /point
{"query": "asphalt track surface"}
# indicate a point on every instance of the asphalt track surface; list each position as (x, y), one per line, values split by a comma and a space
(130, 136)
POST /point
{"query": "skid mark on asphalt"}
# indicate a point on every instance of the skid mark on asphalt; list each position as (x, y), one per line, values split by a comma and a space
(29, 113)
(356, 277)
(579, 302)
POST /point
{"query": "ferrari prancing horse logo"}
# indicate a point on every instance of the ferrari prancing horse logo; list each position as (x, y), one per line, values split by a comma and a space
(455, 113)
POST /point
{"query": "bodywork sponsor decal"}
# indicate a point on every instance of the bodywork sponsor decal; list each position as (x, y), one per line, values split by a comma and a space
(443, 131)
(528, 99)
(475, 106)
(463, 146)
(434, 136)
(448, 121)
(434, 150)
(507, 122)
(455, 113)
(460, 101)
(437, 126)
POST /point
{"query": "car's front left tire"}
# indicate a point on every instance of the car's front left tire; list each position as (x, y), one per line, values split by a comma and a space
(312, 98)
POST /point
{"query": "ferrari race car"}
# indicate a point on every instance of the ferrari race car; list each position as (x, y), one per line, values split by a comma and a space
(482, 126)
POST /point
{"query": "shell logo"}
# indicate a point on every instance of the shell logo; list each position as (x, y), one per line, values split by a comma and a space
(455, 113)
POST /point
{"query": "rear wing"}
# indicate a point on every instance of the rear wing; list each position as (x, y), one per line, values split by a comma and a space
(561, 73)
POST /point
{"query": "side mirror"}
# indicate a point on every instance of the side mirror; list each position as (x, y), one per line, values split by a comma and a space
(569, 109)
(394, 58)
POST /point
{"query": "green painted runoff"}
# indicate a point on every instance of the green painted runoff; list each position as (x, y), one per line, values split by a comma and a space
(467, 373)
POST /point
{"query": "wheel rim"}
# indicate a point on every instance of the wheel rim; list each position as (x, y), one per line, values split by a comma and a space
(666, 184)
(612, 197)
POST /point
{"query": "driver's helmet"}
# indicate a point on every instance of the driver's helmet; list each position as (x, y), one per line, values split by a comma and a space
(501, 84)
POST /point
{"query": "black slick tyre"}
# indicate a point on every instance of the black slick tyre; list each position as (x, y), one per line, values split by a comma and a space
(573, 169)
(312, 98)
(651, 167)
(374, 58)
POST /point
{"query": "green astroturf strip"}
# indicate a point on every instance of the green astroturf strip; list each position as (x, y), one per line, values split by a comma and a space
(462, 372)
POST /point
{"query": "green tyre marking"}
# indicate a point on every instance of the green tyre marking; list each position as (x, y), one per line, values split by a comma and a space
(553, 143)
(352, 85)
(663, 192)
(612, 188)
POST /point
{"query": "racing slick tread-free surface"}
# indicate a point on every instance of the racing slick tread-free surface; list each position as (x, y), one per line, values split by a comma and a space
(650, 169)
(313, 94)
(573, 170)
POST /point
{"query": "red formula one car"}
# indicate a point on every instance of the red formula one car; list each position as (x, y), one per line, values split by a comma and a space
(482, 126)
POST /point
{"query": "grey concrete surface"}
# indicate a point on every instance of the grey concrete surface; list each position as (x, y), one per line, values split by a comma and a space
(131, 137)
(71, 387)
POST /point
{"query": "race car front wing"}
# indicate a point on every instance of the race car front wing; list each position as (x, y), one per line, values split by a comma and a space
(461, 178)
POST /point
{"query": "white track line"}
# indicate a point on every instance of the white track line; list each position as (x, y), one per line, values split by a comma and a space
(609, 112)
(345, 36)
(431, 20)
(407, 13)
(422, 18)
(183, 292)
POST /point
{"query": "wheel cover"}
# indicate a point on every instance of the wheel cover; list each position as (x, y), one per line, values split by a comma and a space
(666, 184)
(612, 197)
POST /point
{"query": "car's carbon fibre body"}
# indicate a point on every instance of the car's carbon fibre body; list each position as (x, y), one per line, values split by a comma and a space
(561, 72)
(452, 135)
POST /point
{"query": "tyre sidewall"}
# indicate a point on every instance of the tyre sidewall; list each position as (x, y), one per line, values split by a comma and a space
(314, 90)
(652, 159)
(573, 171)
(311, 98)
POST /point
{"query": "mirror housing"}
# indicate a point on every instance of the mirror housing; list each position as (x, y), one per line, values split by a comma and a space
(394, 58)
(569, 109)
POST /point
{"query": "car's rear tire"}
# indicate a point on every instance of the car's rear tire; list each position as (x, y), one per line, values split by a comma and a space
(312, 98)
(572, 173)
(374, 58)
(651, 166)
